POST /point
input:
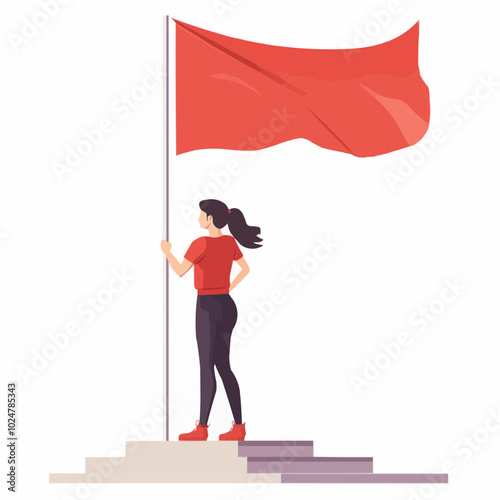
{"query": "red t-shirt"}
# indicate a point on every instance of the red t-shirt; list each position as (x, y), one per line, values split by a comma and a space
(212, 259)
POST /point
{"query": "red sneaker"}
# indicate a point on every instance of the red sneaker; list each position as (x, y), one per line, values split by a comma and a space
(198, 434)
(237, 433)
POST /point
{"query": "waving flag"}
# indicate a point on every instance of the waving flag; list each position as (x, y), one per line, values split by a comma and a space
(241, 95)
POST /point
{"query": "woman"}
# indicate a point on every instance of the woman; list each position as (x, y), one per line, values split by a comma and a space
(212, 257)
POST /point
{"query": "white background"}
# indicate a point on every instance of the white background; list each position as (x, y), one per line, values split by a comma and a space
(62, 238)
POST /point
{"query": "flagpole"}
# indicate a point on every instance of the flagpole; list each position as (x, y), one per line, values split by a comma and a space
(167, 152)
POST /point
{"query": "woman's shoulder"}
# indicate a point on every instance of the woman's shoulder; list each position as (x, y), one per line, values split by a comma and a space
(230, 238)
(200, 242)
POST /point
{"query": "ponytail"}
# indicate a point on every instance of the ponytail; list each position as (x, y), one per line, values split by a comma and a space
(244, 234)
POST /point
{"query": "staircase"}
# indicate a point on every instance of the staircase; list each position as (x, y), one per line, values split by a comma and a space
(232, 462)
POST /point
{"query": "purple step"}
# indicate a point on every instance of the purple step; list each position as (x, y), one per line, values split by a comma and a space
(364, 478)
(277, 465)
(275, 449)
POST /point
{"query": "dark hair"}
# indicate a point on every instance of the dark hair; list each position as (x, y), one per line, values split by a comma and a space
(243, 233)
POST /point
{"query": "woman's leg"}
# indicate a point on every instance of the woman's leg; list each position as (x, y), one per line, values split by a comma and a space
(207, 309)
(224, 329)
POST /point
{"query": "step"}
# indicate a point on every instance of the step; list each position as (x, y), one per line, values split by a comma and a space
(364, 478)
(174, 462)
(276, 465)
(273, 449)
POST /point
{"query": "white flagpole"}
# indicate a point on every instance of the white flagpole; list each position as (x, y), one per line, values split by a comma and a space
(166, 222)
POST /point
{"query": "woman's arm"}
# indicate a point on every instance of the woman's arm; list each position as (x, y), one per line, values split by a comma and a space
(180, 268)
(244, 271)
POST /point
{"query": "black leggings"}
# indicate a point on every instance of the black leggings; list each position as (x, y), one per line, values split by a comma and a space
(215, 319)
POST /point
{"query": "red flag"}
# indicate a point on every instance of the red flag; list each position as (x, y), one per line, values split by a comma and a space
(236, 94)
